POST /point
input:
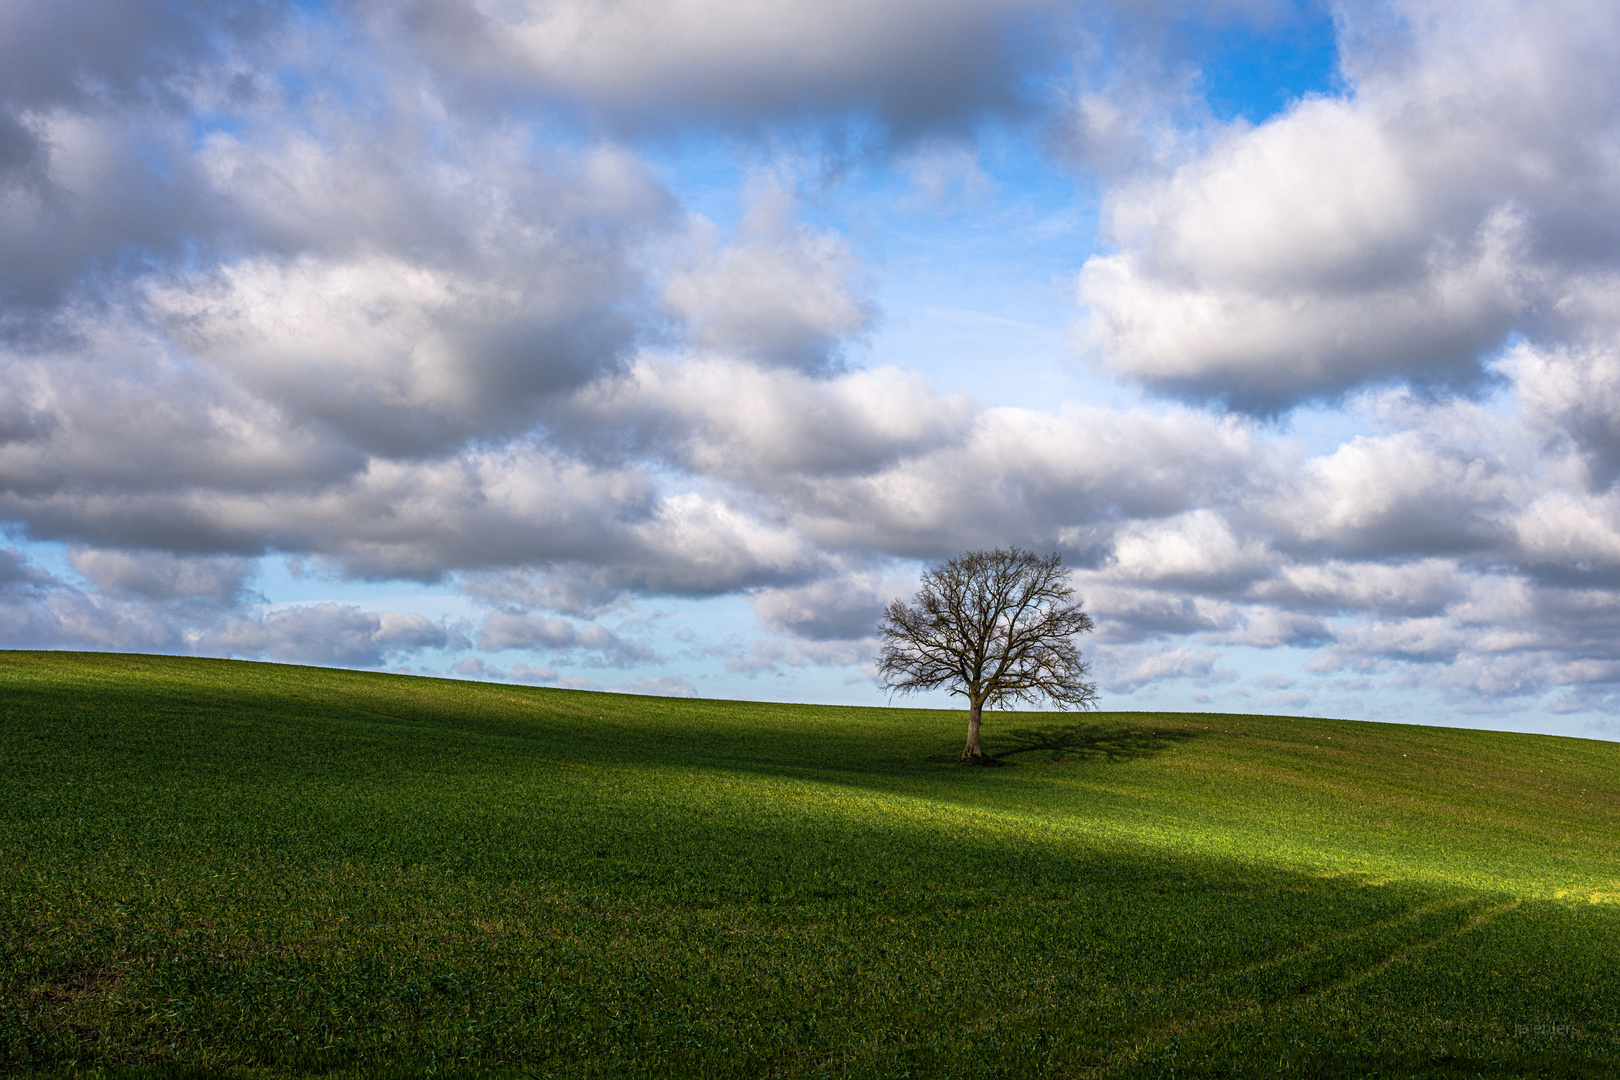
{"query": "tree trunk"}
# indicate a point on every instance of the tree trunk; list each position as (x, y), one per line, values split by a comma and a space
(973, 753)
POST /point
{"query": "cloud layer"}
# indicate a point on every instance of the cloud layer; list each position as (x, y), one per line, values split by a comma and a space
(1460, 190)
(639, 64)
(411, 292)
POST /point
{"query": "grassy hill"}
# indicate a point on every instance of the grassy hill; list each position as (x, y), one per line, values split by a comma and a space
(264, 870)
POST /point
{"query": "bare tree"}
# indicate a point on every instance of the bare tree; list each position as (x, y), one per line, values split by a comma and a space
(994, 627)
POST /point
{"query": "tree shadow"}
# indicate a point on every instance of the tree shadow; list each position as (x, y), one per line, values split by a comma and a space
(1069, 744)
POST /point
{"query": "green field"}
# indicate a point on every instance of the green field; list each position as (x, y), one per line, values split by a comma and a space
(260, 870)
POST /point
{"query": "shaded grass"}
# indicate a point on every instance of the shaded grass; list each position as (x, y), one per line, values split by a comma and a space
(276, 870)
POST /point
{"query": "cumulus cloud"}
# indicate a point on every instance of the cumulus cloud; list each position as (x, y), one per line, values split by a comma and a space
(1570, 392)
(1420, 588)
(1130, 670)
(1197, 548)
(159, 602)
(503, 630)
(1404, 494)
(93, 134)
(634, 63)
(659, 686)
(1125, 613)
(327, 633)
(778, 294)
(1048, 481)
(411, 357)
(772, 655)
(656, 685)
(1396, 233)
(403, 312)
(763, 429)
(1269, 627)
(568, 588)
(473, 667)
(159, 575)
(1571, 536)
(843, 608)
(131, 601)
(506, 284)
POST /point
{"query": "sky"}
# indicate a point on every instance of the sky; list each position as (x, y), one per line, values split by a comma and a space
(656, 345)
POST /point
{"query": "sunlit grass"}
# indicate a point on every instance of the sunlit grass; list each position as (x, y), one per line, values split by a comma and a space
(275, 870)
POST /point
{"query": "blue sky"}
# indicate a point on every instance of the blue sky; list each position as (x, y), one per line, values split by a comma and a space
(656, 346)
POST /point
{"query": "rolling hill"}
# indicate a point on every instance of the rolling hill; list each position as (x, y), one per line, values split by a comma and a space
(253, 869)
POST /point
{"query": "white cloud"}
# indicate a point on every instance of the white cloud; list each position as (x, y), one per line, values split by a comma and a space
(1130, 613)
(1404, 494)
(659, 686)
(504, 630)
(770, 428)
(328, 633)
(158, 602)
(159, 575)
(917, 63)
(1423, 587)
(504, 287)
(843, 608)
(1127, 670)
(1570, 391)
(1453, 195)
(473, 667)
(655, 685)
(422, 323)
(771, 655)
(1197, 548)
(1572, 533)
(778, 294)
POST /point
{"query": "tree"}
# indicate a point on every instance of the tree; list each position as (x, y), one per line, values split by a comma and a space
(994, 627)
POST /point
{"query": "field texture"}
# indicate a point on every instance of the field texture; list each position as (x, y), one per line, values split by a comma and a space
(261, 870)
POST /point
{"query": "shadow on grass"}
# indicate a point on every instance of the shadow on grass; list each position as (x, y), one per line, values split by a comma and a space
(1071, 743)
